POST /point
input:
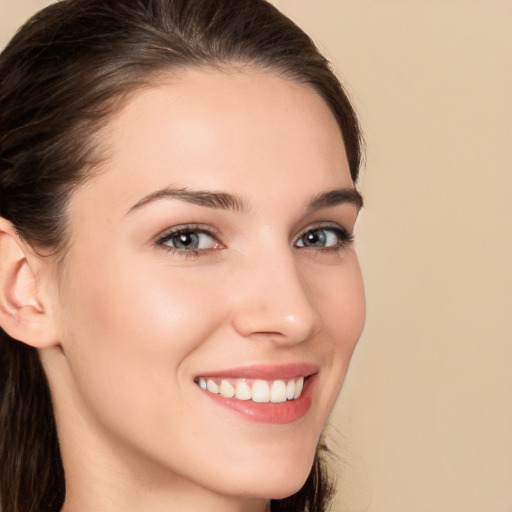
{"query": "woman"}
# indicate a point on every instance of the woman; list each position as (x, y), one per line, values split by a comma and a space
(180, 296)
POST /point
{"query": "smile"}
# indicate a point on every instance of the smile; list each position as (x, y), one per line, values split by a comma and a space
(259, 391)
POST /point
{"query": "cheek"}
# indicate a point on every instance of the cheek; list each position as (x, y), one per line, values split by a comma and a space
(352, 308)
(132, 325)
(340, 300)
(130, 304)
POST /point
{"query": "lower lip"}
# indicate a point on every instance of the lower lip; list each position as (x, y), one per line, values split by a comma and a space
(272, 413)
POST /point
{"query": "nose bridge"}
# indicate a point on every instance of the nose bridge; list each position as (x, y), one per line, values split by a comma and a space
(276, 301)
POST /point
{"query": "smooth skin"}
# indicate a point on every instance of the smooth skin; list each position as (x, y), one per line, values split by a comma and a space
(136, 313)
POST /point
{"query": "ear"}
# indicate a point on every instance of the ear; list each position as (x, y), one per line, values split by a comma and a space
(23, 314)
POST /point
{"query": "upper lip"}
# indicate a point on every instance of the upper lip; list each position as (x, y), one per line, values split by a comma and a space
(265, 371)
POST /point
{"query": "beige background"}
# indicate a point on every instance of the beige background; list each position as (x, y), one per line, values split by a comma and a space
(424, 423)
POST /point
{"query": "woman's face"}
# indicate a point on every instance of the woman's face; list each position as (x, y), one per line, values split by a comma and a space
(212, 249)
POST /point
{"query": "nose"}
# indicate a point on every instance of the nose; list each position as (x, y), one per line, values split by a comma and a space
(276, 303)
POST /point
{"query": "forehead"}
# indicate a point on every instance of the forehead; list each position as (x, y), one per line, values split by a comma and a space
(221, 130)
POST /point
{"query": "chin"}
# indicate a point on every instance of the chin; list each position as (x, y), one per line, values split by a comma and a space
(276, 480)
(278, 488)
(287, 488)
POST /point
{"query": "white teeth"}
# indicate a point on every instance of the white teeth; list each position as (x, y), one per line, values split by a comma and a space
(261, 391)
(290, 389)
(278, 391)
(243, 391)
(212, 386)
(299, 384)
(226, 389)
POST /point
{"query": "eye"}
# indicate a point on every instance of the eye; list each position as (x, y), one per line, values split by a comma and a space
(324, 237)
(189, 239)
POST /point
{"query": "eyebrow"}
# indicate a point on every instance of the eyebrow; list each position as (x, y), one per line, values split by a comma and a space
(218, 200)
(225, 201)
(336, 197)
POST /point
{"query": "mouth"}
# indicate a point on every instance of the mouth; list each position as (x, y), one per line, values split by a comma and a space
(268, 394)
(255, 390)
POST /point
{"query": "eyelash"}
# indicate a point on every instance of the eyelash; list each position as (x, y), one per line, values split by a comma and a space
(185, 230)
(344, 239)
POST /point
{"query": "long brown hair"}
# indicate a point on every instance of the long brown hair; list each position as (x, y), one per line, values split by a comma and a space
(61, 77)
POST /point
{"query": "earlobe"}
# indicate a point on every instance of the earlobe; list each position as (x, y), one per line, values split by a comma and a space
(23, 316)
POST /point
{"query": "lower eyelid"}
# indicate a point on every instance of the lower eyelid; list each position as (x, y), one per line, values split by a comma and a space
(185, 255)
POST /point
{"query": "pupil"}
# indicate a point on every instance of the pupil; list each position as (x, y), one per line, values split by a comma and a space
(187, 240)
(315, 238)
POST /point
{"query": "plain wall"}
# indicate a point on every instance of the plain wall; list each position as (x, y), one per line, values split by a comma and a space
(424, 423)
